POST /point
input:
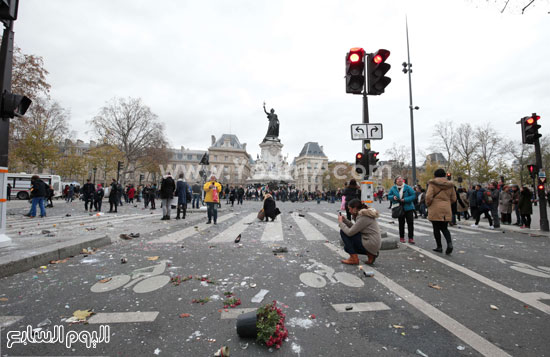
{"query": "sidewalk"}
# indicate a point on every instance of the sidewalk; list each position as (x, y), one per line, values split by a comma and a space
(509, 228)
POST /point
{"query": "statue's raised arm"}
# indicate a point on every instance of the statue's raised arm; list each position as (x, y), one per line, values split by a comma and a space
(266, 111)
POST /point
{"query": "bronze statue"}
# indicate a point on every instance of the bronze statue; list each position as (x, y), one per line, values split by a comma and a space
(273, 128)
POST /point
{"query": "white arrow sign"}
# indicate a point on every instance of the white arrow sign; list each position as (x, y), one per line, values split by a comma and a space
(370, 131)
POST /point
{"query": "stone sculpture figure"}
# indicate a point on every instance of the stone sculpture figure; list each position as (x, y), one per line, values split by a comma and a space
(273, 128)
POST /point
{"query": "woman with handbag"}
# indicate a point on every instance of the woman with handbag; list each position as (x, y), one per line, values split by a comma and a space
(404, 195)
(439, 198)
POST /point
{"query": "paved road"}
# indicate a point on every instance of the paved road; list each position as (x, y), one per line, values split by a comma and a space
(394, 313)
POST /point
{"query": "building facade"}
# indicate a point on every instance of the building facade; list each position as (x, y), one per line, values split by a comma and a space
(229, 161)
(310, 168)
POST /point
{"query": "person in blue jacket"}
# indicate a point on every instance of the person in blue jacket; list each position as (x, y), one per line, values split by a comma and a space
(403, 194)
(181, 192)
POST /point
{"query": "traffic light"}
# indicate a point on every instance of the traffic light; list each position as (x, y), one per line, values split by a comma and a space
(373, 160)
(376, 70)
(359, 168)
(449, 176)
(540, 186)
(355, 70)
(533, 170)
(530, 129)
(14, 105)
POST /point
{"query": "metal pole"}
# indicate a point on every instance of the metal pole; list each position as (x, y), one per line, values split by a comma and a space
(6, 58)
(366, 143)
(544, 226)
(411, 108)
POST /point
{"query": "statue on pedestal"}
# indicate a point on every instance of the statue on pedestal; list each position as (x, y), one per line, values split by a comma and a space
(273, 128)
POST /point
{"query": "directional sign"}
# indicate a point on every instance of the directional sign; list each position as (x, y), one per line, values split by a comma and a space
(370, 131)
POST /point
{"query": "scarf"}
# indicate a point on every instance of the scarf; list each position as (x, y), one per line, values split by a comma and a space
(400, 189)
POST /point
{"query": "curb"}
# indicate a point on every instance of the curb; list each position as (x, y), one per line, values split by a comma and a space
(389, 243)
(22, 261)
(530, 232)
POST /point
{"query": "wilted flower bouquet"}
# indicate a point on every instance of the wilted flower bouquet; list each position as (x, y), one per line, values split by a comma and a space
(271, 325)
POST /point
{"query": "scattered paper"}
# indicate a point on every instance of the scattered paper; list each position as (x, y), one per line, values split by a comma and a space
(398, 326)
(494, 307)
(434, 286)
(153, 258)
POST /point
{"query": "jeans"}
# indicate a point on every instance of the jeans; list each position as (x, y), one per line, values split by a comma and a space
(40, 202)
(518, 215)
(197, 200)
(353, 244)
(408, 217)
(212, 210)
(442, 227)
(166, 206)
(240, 200)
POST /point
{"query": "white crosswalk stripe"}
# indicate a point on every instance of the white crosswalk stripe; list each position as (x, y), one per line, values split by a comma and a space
(234, 230)
(273, 231)
(185, 233)
(331, 223)
(464, 230)
(308, 230)
(385, 225)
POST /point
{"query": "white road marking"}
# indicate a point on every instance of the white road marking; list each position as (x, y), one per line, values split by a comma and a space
(531, 299)
(234, 313)
(456, 328)
(361, 306)
(308, 230)
(331, 223)
(426, 225)
(234, 230)
(187, 232)
(273, 231)
(123, 317)
(465, 229)
(6, 321)
(396, 227)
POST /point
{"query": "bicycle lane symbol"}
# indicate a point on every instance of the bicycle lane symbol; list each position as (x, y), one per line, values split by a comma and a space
(316, 279)
(540, 271)
(143, 280)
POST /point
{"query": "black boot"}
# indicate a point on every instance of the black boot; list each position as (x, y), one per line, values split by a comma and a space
(449, 250)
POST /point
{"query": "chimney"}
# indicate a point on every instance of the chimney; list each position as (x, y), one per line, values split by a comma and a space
(244, 146)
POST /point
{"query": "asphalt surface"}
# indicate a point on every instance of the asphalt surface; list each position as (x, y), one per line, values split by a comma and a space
(490, 297)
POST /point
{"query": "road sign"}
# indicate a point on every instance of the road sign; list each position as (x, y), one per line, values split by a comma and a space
(370, 131)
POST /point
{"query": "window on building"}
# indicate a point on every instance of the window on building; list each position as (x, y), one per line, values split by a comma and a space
(216, 157)
(180, 156)
(227, 158)
(189, 157)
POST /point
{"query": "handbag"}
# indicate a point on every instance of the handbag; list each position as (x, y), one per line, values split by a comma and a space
(261, 215)
(397, 212)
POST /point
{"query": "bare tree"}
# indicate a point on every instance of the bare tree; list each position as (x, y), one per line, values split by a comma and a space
(465, 146)
(445, 137)
(488, 146)
(399, 157)
(131, 126)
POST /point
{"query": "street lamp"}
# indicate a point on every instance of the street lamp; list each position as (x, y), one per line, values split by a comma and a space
(407, 69)
(95, 170)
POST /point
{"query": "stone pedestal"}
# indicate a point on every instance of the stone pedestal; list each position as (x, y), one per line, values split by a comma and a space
(271, 166)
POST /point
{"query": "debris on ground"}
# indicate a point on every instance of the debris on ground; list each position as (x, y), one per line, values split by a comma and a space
(398, 326)
(44, 323)
(223, 352)
(420, 353)
(184, 315)
(123, 260)
(434, 286)
(80, 316)
(238, 239)
(201, 301)
(177, 280)
(301, 215)
(260, 296)
(106, 280)
(231, 302)
(460, 348)
(91, 228)
(279, 250)
(125, 237)
(153, 258)
(45, 231)
(493, 307)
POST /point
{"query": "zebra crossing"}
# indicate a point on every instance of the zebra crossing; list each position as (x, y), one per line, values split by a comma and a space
(313, 226)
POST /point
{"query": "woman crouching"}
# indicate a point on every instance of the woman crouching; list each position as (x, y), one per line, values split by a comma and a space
(363, 236)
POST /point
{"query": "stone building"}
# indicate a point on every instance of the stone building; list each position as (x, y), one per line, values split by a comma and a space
(229, 160)
(310, 168)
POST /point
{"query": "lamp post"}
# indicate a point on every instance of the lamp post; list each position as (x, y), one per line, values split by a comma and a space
(95, 170)
(407, 69)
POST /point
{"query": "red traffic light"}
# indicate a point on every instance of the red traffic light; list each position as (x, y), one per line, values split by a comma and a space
(531, 168)
(530, 121)
(354, 57)
(448, 174)
(540, 187)
(359, 156)
(377, 59)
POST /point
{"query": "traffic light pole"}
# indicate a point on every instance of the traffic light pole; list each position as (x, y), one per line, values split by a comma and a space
(6, 57)
(542, 198)
(411, 108)
(366, 143)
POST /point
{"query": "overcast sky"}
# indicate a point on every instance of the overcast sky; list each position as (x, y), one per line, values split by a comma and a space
(205, 67)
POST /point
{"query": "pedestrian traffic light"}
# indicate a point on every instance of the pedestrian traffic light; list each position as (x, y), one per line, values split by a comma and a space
(373, 160)
(530, 129)
(14, 105)
(533, 169)
(376, 70)
(449, 176)
(359, 162)
(355, 70)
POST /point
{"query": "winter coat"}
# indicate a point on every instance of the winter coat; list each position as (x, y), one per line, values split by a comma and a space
(481, 200)
(88, 190)
(38, 189)
(350, 193)
(181, 192)
(408, 195)
(367, 225)
(463, 204)
(439, 197)
(525, 205)
(196, 188)
(113, 193)
(270, 208)
(98, 194)
(505, 202)
(167, 188)
(208, 191)
(131, 192)
(472, 197)
(495, 194)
